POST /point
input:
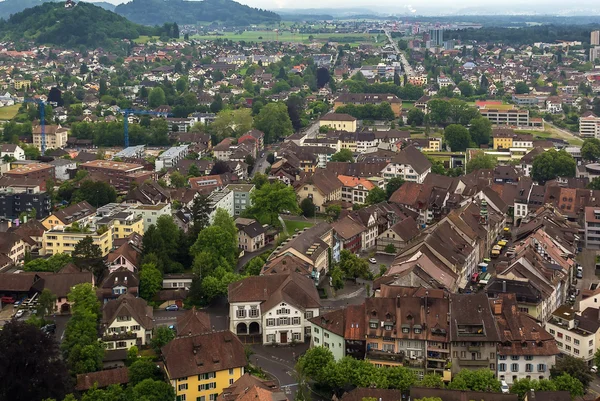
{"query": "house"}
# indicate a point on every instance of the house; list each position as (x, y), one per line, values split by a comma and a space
(339, 122)
(322, 187)
(102, 379)
(192, 322)
(251, 234)
(258, 137)
(249, 387)
(116, 283)
(126, 321)
(577, 335)
(525, 350)
(64, 169)
(19, 286)
(177, 280)
(12, 248)
(61, 283)
(355, 189)
(473, 333)
(276, 306)
(201, 366)
(81, 213)
(10, 150)
(55, 137)
(126, 256)
(398, 235)
(409, 164)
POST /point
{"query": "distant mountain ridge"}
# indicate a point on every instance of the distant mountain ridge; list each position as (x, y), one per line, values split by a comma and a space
(83, 25)
(157, 12)
(10, 7)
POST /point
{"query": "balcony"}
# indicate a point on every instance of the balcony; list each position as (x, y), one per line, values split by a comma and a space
(119, 336)
(400, 358)
(474, 362)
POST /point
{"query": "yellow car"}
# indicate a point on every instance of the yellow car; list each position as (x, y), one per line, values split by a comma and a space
(502, 243)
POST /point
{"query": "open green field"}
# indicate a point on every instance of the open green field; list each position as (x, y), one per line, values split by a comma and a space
(269, 35)
(144, 39)
(292, 225)
(8, 112)
(551, 132)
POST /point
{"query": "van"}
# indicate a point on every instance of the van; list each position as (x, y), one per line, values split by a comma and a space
(475, 277)
(7, 300)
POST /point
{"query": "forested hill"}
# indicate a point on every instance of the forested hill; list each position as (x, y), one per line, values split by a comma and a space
(10, 7)
(157, 12)
(525, 35)
(85, 24)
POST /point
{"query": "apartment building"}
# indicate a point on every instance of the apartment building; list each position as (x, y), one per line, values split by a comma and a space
(511, 117)
(118, 174)
(63, 240)
(14, 201)
(576, 335)
(589, 126)
(592, 227)
(81, 213)
(56, 136)
(354, 189)
(339, 122)
(151, 213)
(409, 164)
(170, 157)
(32, 171)
(242, 194)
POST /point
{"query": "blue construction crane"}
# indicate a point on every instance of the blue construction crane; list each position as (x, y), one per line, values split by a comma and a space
(127, 112)
(41, 103)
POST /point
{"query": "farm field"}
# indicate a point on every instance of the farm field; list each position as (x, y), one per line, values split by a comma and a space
(270, 35)
(8, 112)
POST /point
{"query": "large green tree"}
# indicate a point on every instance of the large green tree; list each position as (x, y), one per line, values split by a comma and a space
(415, 117)
(150, 281)
(232, 123)
(590, 150)
(162, 336)
(552, 164)
(344, 155)
(87, 255)
(274, 121)
(576, 367)
(392, 186)
(271, 200)
(481, 161)
(376, 195)
(457, 137)
(480, 130)
(156, 97)
(476, 380)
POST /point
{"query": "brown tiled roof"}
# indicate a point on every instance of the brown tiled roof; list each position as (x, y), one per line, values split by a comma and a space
(348, 227)
(472, 309)
(324, 180)
(75, 212)
(333, 321)
(287, 263)
(412, 194)
(60, 284)
(413, 157)
(103, 378)
(459, 395)
(21, 282)
(338, 117)
(192, 322)
(246, 382)
(203, 353)
(128, 305)
(128, 252)
(359, 394)
(407, 229)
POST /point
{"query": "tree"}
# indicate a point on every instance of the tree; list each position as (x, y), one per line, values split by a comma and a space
(308, 207)
(314, 362)
(47, 303)
(392, 186)
(295, 108)
(481, 161)
(156, 97)
(161, 337)
(390, 248)
(521, 88)
(590, 150)
(32, 368)
(96, 193)
(337, 278)
(164, 241)
(376, 195)
(566, 382)
(353, 266)
(457, 137)
(232, 123)
(87, 255)
(576, 367)
(480, 130)
(439, 111)
(153, 390)
(465, 88)
(143, 368)
(215, 247)
(150, 281)
(415, 117)
(552, 164)
(200, 214)
(52, 264)
(254, 266)
(431, 380)
(522, 386)
(178, 180)
(271, 200)
(274, 121)
(259, 180)
(344, 155)
(334, 211)
(475, 380)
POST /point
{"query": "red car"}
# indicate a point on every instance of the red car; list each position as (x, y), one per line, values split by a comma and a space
(7, 300)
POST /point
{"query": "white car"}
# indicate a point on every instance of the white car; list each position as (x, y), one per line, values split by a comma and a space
(504, 387)
(373, 261)
(19, 313)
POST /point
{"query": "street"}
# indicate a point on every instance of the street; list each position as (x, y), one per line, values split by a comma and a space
(260, 165)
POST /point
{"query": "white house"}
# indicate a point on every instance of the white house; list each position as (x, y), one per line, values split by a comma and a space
(275, 306)
(409, 164)
(12, 150)
(127, 321)
(577, 335)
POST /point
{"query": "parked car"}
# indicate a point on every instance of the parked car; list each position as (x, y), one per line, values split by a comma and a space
(19, 313)
(172, 307)
(594, 369)
(7, 300)
(372, 260)
(49, 328)
(504, 387)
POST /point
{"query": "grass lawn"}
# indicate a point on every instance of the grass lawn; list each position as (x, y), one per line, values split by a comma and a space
(8, 112)
(270, 35)
(293, 225)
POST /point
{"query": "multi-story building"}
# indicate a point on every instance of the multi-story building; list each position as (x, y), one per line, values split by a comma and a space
(170, 157)
(473, 333)
(526, 350)
(14, 201)
(595, 38)
(222, 199)
(118, 174)
(127, 321)
(511, 117)
(12, 150)
(589, 126)
(151, 213)
(322, 187)
(241, 197)
(63, 240)
(355, 189)
(12, 248)
(201, 366)
(592, 227)
(576, 335)
(123, 224)
(276, 306)
(32, 171)
(436, 36)
(251, 234)
(81, 213)
(56, 136)
(339, 122)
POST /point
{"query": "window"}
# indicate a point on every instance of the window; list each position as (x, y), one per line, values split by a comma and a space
(514, 357)
(541, 367)
(181, 397)
(283, 311)
(560, 335)
(271, 322)
(296, 321)
(492, 354)
(529, 367)
(206, 376)
(283, 321)
(417, 330)
(373, 325)
(241, 312)
(207, 386)
(405, 330)
(576, 341)
(568, 347)
(230, 382)
(253, 311)
(135, 328)
(514, 367)
(316, 330)
(502, 367)
(529, 357)
(372, 346)
(213, 397)
(576, 351)
(270, 338)
(181, 387)
(568, 338)
(308, 315)
(502, 357)
(296, 336)
(202, 398)
(230, 372)
(591, 343)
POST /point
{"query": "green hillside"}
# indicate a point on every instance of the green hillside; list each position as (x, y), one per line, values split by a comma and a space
(85, 24)
(157, 12)
(10, 7)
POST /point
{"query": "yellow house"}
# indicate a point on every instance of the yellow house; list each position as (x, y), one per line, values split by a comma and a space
(323, 186)
(434, 145)
(503, 138)
(339, 122)
(81, 213)
(123, 224)
(21, 83)
(200, 367)
(63, 240)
